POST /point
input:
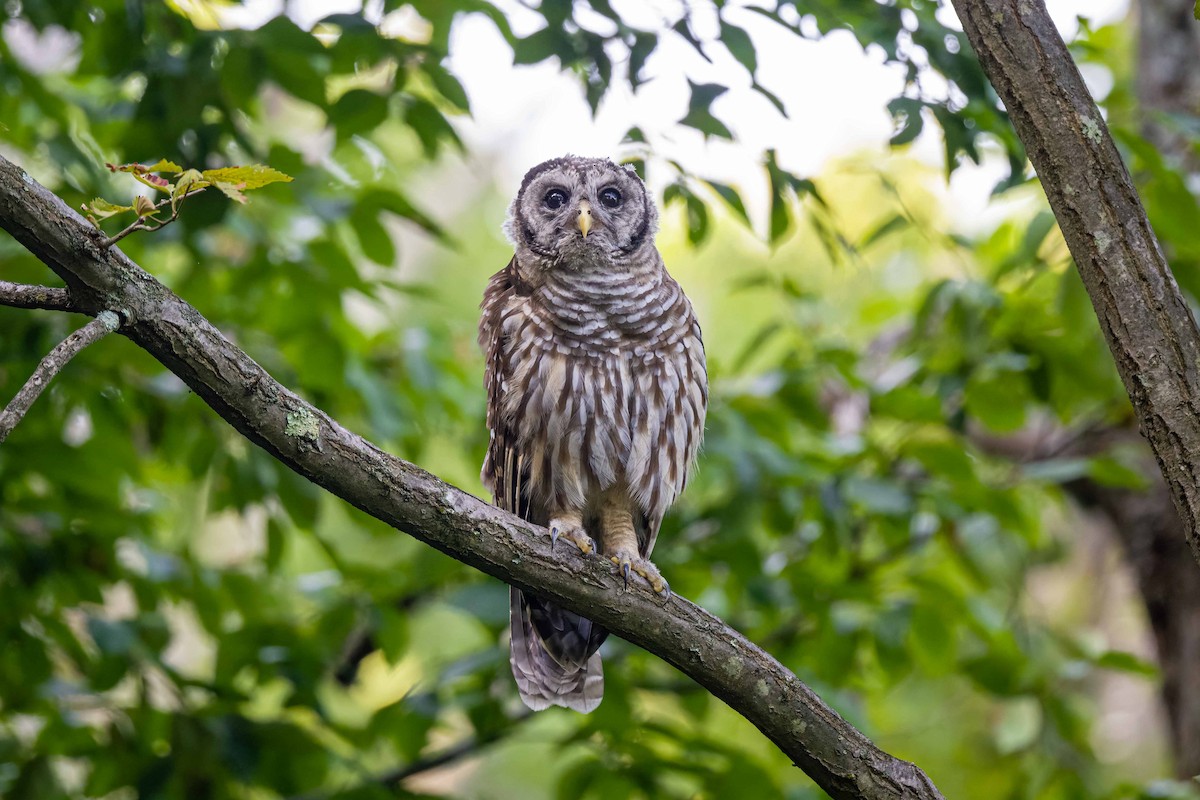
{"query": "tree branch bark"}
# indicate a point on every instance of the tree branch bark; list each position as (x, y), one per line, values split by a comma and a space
(839, 758)
(50, 366)
(1146, 322)
(20, 295)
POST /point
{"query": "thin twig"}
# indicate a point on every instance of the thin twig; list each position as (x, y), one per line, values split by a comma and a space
(22, 295)
(139, 224)
(105, 323)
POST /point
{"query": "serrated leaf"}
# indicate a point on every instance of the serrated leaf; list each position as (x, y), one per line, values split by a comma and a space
(254, 176)
(162, 165)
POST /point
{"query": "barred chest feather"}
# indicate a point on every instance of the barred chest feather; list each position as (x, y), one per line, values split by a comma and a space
(604, 386)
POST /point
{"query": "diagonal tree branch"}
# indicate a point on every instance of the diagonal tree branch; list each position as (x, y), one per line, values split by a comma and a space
(1147, 323)
(832, 752)
(106, 322)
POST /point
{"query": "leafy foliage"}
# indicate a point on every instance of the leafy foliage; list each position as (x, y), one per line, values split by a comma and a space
(230, 181)
(186, 618)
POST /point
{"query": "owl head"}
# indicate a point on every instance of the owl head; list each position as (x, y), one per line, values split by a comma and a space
(579, 213)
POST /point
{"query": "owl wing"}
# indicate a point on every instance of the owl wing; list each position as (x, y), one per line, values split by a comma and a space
(680, 390)
(505, 470)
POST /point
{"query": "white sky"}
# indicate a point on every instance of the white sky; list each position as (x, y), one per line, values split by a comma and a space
(835, 94)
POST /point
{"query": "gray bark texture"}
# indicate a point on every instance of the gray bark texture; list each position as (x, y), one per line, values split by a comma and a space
(839, 758)
(1146, 322)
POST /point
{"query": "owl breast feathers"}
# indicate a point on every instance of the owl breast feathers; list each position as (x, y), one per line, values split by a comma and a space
(597, 392)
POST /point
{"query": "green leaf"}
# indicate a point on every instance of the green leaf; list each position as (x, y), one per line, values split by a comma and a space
(539, 46)
(1126, 662)
(697, 219)
(892, 224)
(115, 638)
(373, 237)
(684, 28)
(738, 42)
(1109, 471)
(431, 127)
(771, 97)
(731, 198)
(358, 111)
(395, 202)
(906, 112)
(231, 190)
(162, 165)
(641, 49)
(102, 209)
(254, 176)
(699, 115)
(449, 87)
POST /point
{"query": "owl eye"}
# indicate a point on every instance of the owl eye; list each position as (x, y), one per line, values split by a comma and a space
(555, 198)
(610, 197)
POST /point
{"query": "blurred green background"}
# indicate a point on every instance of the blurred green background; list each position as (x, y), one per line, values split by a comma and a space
(920, 488)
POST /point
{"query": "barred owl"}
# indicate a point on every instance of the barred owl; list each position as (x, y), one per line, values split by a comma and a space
(597, 390)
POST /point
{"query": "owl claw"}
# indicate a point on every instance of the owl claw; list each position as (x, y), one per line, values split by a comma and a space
(573, 534)
(629, 563)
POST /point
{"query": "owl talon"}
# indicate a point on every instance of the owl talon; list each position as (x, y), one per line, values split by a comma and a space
(573, 534)
(644, 569)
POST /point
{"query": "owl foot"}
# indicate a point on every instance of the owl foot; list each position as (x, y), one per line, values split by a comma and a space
(629, 563)
(574, 534)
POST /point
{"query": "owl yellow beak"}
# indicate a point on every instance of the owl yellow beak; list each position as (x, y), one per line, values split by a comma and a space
(585, 217)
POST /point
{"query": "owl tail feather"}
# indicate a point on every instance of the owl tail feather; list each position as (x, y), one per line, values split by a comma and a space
(553, 655)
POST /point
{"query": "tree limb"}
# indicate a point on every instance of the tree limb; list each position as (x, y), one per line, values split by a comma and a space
(1146, 322)
(106, 322)
(839, 758)
(20, 295)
